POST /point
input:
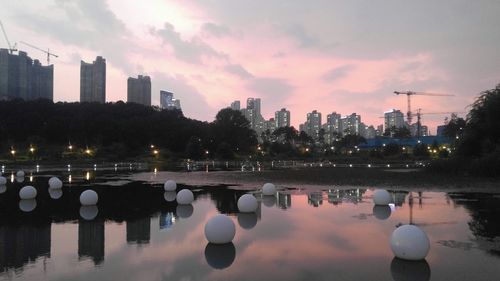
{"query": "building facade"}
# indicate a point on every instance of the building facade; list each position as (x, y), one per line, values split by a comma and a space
(24, 78)
(139, 90)
(93, 81)
(167, 101)
(282, 118)
(394, 118)
(235, 105)
(313, 124)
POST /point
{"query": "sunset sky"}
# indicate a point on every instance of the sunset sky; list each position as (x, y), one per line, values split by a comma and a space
(343, 56)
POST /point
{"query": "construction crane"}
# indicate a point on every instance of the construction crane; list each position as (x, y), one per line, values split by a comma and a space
(12, 49)
(419, 117)
(42, 50)
(409, 114)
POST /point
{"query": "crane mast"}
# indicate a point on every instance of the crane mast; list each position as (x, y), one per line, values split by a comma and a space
(12, 49)
(409, 113)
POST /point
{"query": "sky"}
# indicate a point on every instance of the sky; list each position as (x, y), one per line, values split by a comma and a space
(325, 55)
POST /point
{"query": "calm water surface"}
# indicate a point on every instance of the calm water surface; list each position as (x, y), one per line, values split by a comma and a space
(138, 233)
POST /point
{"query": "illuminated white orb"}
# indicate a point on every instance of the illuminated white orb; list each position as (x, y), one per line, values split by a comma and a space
(409, 242)
(381, 197)
(27, 192)
(55, 183)
(220, 229)
(268, 189)
(247, 203)
(89, 198)
(185, 196)
(170, 185)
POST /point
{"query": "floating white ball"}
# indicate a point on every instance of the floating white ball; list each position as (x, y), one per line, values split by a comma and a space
(409, 242)
(27, 192)
(185, 196)
(220, 229)
(3, 181)
(268, 189)
(89, 212)
(170, 185)
(381, 197)
(247, 203)
(20, 174)
(55, 193)
(89, 197)
(27, 205)
(55, 183)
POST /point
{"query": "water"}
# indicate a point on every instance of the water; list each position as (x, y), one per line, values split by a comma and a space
(301, 234)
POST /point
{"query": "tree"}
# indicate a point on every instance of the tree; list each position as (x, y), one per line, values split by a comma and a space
(231, 127)
(481, 134)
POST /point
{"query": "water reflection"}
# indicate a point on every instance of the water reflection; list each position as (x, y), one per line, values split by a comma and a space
(402, 270)
(184, 211)
(91, 240)
(247, 220)
(381, 212)
(27, 205)
(3, 188)
(170, 196)
(220, 256)
(139, 231)
(89, 212)
(167, 220)
(55, 193)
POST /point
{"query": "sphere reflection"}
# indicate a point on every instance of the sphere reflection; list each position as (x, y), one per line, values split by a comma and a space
(89, 212)
(382, 212)
(403, 270)
(27, 205)
(220, 256)
(170, 196)
(247, 220)
(184, 211)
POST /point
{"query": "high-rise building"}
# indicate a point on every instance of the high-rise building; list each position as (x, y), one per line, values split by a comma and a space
(93, 81)
(312, 125)
(235, 105)
(350, 124)
(282, 118)
(139, 90)
(167, 101)
(22, 77)
(394, 118)
(253, 115)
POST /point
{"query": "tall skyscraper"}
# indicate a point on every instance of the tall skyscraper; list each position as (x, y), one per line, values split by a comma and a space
(312, 125)
(394, 118)
(253, 115)
(139, 90)
(167, 101)
(351, 124)
(93, 81)
(282, 118)
(235, 105)
(22, 77)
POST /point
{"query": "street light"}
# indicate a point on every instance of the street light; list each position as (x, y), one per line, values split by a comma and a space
(32, 149)
(13, 152)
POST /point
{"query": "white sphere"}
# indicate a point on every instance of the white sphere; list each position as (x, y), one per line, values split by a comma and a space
(268, 189)
(185, 196)
(409, 242)
(3, 181)
(381, 197)
(89, 197)
(27, 192)
(27, 205)
(220, 229)
(20, 174)
(55, 193)
(89, 212)
(169, 196)
(247, 203)
(55, 183)
(170, 185)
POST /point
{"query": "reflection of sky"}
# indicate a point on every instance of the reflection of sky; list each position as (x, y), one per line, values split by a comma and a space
(345, 241)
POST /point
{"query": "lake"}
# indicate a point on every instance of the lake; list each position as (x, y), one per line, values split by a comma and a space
(320, 232)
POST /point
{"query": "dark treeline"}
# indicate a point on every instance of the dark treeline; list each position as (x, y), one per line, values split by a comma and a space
(121, 129)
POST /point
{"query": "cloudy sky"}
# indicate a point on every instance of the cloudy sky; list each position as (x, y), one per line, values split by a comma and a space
(343, 56)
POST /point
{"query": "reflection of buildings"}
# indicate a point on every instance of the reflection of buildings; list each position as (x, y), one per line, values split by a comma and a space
(167, 220)
(336, 196)
(91, 240)
(139, 231)
(398, 197)
(315, 198)
(22, 244)
(284, 200)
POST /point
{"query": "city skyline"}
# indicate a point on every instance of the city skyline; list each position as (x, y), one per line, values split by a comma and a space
(210, 55)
